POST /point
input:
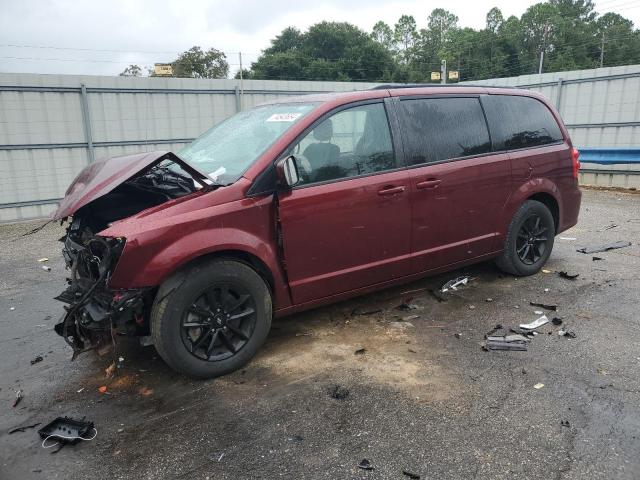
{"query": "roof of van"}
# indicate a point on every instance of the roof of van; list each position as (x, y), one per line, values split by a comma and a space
(393, 90)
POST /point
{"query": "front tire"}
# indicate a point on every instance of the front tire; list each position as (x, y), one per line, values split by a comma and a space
(529, 240)
(214, 321)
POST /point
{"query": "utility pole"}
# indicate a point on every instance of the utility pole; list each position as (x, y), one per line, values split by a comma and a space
(602, 51)
(241, 82)
(544, 47)
(443, 71)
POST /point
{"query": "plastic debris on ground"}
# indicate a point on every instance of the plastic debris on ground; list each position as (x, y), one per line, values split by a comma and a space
(568, 276)
(455, 284)
(565, 423)
(102, 389)
(538, 386)
(366, 465)
(595, 259)
(604, 248)
(568, 238)
(23, 428)
(38, 359)
(67, 431)
(538, 322)
(566, 333)
(411, 475)
(42, 260)
(360, 351)
(45, 268)
(544, 270)
(553, 308)
(556, 321)
(507, 342)
(18, 398)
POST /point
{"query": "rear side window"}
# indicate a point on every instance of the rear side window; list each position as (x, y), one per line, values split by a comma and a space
(436, 129)
(519, 122)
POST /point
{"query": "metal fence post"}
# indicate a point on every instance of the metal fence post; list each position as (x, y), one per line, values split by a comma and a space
(237, 93)
(86, 120)
(559, 95)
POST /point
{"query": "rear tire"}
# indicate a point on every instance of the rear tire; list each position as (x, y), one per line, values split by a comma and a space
(529, 240)
(214, 321)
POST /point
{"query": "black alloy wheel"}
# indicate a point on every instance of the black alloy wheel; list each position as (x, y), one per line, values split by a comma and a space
(531, 241)
(219, 322)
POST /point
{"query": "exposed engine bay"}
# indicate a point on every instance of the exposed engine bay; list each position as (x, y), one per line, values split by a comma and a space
(95, 314)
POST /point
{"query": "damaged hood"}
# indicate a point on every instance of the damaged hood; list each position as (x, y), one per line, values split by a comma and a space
(102, 176)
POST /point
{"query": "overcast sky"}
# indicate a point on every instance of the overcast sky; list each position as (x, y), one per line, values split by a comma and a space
(109, 35)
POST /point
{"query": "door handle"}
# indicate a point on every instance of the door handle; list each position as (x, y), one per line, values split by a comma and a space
(391, 190)
(431, 183)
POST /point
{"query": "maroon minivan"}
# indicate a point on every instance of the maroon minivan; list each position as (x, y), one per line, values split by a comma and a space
(305, 201)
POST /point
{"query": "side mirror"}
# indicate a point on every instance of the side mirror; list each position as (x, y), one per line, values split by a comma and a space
(287, 171)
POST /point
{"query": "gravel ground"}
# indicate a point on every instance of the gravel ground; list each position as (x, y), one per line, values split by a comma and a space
(420, 398)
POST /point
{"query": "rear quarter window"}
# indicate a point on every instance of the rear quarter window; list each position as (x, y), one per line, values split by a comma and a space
(519, 122)
(437, 129)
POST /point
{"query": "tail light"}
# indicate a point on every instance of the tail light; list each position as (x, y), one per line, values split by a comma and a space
(576, 163)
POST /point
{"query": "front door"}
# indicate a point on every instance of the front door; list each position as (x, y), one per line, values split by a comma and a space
(347, 224)
(458, 186)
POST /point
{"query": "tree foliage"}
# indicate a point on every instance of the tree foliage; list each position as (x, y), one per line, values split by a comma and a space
(195, 63)
(569, 33)
(132, 71)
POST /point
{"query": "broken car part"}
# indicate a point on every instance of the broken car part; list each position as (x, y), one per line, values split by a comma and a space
(67, 431)
(96, 314)
(568, 276)
(546, 306)
(455, 284)
(507, 342)
(23, 428)
(604, 248)
(535, 324)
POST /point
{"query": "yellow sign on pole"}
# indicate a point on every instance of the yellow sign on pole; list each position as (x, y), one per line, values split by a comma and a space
(163, 70)
(435, 76)
(453, 75)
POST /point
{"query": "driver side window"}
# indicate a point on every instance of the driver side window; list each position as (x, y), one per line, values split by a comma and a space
(350, 143)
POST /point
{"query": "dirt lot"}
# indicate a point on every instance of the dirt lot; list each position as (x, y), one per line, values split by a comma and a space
(419, 398)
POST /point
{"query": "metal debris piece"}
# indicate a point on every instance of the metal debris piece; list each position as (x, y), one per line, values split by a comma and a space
(23, 428)
(567, 238)
(544, 270)
(455, 283)
(553, 308)
(366, 465)
(568, 276)
(507, 342)
(595, 259)
(538, 386)
(604, 248)
(36, 360)
(42, 260)
(535, 324)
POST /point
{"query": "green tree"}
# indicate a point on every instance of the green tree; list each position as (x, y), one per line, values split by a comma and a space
(383, 34)
(194, 63)
(405, 36)
(131, 71)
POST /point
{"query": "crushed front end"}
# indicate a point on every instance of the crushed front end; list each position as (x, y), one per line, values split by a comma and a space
(95, 314)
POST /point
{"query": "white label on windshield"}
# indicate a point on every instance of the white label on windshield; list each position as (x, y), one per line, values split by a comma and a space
(283, 117)
(217, 173)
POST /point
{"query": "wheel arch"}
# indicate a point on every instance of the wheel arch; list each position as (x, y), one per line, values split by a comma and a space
(551, 203)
